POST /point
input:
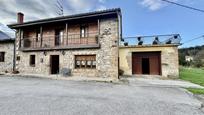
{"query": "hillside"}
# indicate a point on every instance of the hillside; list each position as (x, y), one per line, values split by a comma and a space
(196, 52)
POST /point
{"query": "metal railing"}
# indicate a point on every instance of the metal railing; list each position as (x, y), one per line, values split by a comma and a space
(53, 41)
(151, 40)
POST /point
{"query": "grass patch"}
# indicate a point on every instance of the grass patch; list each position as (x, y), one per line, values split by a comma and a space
(196, 91)
(194, 75)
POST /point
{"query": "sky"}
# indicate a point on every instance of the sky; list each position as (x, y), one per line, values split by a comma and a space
(140, 17)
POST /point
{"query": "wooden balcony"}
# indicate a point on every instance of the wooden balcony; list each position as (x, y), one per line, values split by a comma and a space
(58, 42)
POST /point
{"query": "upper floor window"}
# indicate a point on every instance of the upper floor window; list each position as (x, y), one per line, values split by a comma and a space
(59, 35)
(38, 35)
(84, 31)
(2, 56)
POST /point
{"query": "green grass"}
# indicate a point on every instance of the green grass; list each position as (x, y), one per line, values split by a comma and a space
(196, 91)
(194, 75)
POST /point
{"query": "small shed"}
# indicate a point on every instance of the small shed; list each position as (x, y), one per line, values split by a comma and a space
(160, 59)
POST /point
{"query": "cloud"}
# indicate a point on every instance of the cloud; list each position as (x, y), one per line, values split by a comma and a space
(39, 9)
(7, 30)
(154, 4)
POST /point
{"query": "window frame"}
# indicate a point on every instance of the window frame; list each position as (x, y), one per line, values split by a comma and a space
(80, 59)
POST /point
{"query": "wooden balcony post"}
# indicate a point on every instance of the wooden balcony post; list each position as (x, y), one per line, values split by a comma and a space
(21, 38)
(98, 26)
(41, 36)
(98, 34)
(66, 33)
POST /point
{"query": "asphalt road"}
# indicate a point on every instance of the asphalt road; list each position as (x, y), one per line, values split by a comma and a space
(35, 96)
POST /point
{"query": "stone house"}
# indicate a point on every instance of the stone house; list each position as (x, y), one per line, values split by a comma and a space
(86, 44)
(6, 53)
(189, 58)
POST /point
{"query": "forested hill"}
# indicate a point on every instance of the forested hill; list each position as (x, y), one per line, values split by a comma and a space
(196, 52)
(191, 51)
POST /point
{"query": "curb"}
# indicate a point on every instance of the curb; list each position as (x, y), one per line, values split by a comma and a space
(84, 79)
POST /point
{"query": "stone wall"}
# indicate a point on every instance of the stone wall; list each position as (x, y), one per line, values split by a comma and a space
(7, 65)
(169, 58)
(106, 55)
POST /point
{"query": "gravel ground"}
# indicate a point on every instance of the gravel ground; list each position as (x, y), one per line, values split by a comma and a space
(35, 96)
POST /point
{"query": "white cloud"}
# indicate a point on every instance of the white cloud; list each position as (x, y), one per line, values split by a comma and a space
(102, 1)
(101, 8)
(151, 4)
(154, 4)
(7, 30)
(39, 9)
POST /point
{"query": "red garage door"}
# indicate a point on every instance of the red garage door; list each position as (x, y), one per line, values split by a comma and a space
(146, 63)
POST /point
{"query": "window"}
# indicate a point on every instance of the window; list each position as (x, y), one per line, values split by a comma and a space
(85, 61)
(59, 35)
(32, 60)
(18, 58)
(38, 35)
(2, 56)
(84, 31)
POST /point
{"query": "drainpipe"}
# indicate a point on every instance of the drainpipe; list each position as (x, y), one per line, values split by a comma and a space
(14, 55)
(120, 37)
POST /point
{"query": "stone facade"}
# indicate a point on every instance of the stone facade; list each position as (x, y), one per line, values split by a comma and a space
(106, 55)
(169, 58)
(8, 48)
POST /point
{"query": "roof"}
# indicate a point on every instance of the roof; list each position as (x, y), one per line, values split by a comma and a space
(4, 37)
(69, 17)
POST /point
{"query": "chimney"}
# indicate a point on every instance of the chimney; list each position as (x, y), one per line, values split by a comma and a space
(20, 18)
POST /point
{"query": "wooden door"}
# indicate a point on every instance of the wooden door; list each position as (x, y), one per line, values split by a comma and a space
(154, 61)
(136, 64)
(155, 64)
(54, 64)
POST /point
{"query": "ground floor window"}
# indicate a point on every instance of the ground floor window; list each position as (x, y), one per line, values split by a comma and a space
(2, 56)
(85, 61)
(18, 58)
(32, 60)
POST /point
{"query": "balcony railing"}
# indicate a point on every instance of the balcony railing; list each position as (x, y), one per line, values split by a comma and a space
(60, 41)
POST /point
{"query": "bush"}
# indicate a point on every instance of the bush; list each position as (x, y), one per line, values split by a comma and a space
(198, 63)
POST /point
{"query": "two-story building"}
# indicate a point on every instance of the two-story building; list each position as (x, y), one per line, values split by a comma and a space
(86, 44)
(89, 44)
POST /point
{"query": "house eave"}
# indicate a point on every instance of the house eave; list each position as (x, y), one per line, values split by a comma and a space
(67, 18)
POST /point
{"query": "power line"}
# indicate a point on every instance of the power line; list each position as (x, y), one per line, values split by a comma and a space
(185, 6)
(193, 39)
(60, 8)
